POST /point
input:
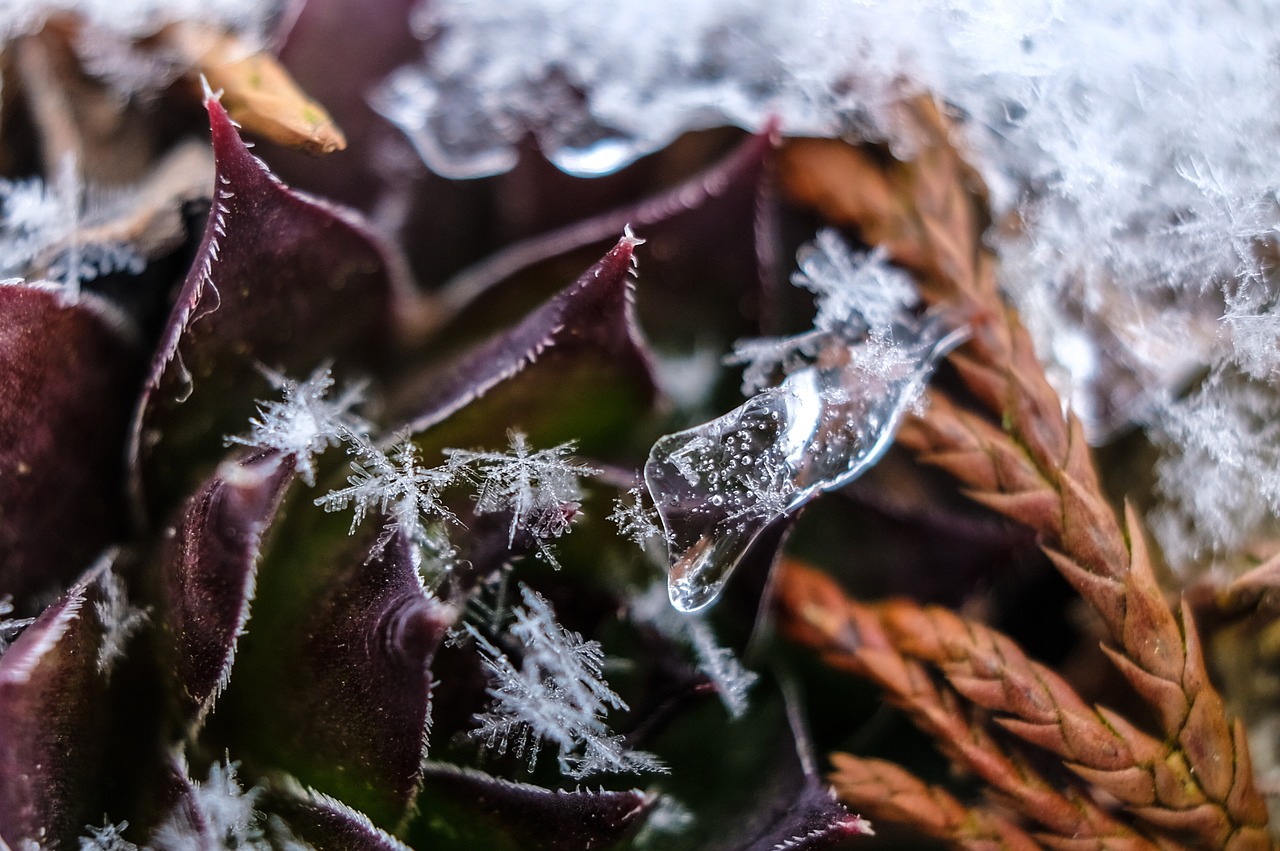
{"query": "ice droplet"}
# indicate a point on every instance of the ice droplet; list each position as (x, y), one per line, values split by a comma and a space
(820, 429)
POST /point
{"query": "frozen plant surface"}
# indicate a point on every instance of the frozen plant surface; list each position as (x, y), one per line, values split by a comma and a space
(558, 694)
(1145, 183)
(848, 384)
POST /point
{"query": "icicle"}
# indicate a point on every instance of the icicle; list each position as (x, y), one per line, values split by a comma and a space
(718, 485)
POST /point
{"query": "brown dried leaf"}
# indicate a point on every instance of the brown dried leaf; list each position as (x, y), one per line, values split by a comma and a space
(257, 92)
(930, 213)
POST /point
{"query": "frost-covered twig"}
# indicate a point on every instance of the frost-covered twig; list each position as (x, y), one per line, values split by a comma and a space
(1035, 466)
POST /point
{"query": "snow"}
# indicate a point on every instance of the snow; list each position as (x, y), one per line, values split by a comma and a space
(306, 421)
(539, 487)
(1134, 144)
(557, 694)
(397, 484)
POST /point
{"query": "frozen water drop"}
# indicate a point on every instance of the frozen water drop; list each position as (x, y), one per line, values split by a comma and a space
(804, 441)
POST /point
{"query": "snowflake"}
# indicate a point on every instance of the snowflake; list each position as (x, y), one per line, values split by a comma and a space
(859, 298)
(396, 484)
(558, 694)
(37, 215)
(540, 488)
(305, 423)
(217, 813)
(636, 520)
(10, 627)
(107, 838)
(719, 664)
(852, 289)
(120, 620)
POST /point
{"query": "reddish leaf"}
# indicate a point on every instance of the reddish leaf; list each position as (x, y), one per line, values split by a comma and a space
(699, 274)
(208, 573)
(333, 681)
(501, 814)
(67, 380)
(326, 823)
(54, 724)
(280, 280)
(574, 369)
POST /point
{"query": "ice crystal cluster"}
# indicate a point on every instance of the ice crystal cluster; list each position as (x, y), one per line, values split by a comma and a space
(1135, 144)
(557, 694)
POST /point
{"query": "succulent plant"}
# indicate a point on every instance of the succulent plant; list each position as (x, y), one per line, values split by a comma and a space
(346, 505)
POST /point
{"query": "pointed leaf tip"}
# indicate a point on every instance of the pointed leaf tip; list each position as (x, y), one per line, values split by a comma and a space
(279, 279)
(208, 574)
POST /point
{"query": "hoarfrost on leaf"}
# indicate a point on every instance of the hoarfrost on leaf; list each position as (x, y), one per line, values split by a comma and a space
(10, 628)
(306, 422)
(558, 694)
(540, 487)
(120, 620)
(848, 384)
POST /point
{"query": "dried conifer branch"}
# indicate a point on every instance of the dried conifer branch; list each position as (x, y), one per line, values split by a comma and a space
(862, 639)
(886, 792)
(1035, 466)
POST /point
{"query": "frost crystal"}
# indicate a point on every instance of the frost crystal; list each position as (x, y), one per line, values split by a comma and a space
(849, 383)
(38, 218)
(558, 694)
(731, 680)
(306, 422)
(107, 838)
(396, 484)
(120, 620)
(10, 628)
(218, 813)
(540, 488)
(637, 521)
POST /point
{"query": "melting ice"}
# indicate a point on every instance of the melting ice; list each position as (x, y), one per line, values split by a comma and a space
(718, 485)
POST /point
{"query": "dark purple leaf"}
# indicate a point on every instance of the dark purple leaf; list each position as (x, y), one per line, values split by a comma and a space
(500, 813)
(699, 274)
(796, 808)
(280, 280)
(68, 376)
(208, 573)
(54, 723)
(333, 680)
(326, 823)
(376, 38)
(576, 368)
